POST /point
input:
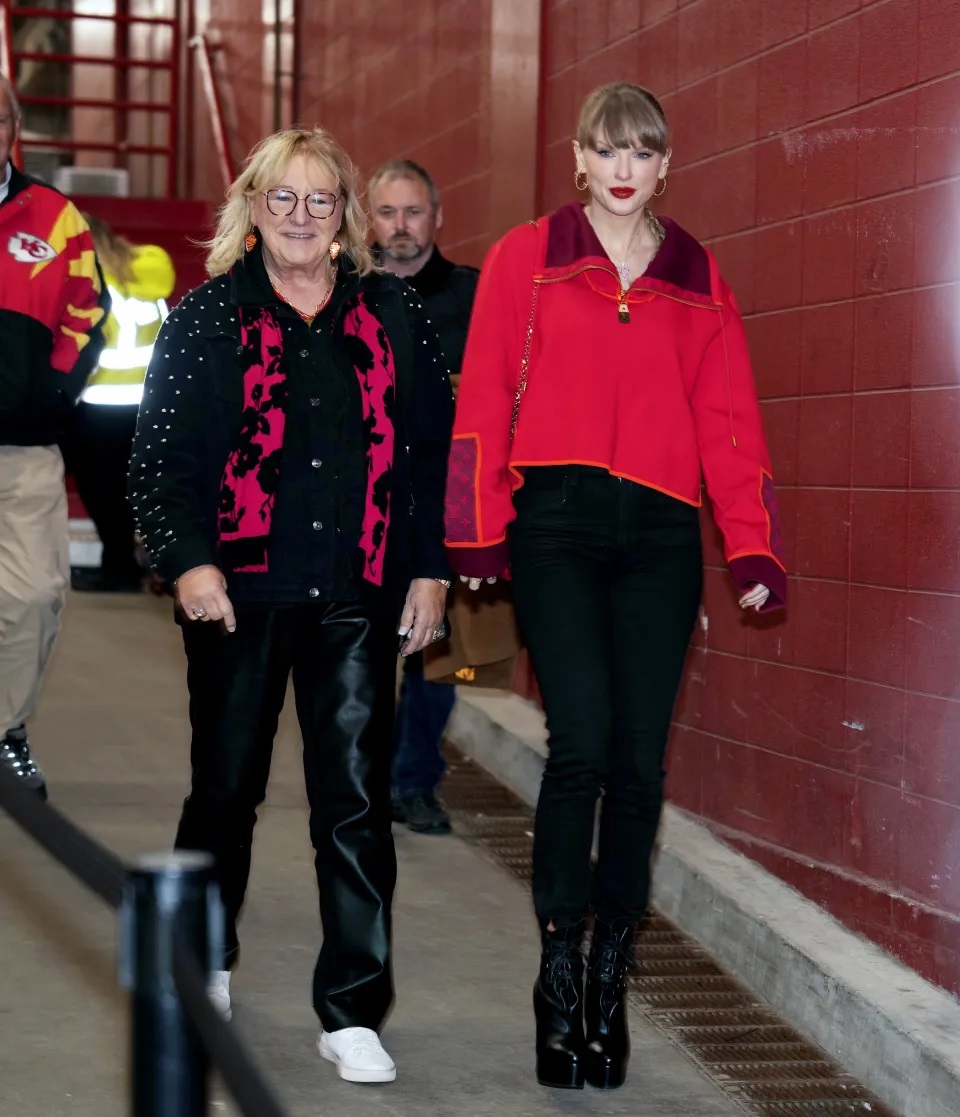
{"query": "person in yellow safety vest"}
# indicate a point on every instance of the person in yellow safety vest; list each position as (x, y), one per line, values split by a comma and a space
(97, 444)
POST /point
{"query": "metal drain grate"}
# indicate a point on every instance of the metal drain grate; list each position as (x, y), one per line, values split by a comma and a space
(751, 1054)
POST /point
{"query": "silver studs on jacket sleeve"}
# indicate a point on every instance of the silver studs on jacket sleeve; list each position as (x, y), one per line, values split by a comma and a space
(149, 506)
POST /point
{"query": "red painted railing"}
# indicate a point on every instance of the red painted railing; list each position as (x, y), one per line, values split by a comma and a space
(204, 50)
(121, 62)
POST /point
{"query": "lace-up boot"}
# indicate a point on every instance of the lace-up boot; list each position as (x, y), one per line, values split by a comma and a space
(605, 1013)
(558, 1008)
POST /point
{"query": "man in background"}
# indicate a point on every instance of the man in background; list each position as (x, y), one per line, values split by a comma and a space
(52, 306)
(406, 211)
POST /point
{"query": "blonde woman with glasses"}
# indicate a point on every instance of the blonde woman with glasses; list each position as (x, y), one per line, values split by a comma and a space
(288, 476)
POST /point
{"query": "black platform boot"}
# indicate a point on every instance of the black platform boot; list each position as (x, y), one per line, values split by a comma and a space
(558, 1007)
(607, 1034)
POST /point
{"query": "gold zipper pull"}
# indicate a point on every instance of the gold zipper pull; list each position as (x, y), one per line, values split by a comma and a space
(623, 309)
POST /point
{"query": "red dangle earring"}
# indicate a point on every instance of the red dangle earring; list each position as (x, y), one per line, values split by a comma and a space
(250, 241)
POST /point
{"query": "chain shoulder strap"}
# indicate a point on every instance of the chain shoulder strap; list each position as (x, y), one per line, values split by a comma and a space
(525, 363)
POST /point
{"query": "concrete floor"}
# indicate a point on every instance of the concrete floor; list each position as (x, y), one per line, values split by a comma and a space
(112, 737)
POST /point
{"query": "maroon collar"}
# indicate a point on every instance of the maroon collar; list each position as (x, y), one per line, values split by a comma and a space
(682, 261)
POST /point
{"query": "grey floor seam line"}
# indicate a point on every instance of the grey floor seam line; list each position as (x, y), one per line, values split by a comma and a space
(739, 1044)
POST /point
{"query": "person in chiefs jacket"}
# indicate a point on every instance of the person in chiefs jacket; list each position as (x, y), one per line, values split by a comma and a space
(52, 305)
(606, 375)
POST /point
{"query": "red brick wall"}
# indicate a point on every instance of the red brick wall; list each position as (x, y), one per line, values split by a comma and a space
(390, 80)
(241, 30)
(817, 152)
(397, 80)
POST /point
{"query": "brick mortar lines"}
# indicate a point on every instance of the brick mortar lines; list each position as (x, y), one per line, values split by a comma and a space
(766, 51)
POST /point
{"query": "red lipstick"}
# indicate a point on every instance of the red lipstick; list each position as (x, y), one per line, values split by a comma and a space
(622, 191)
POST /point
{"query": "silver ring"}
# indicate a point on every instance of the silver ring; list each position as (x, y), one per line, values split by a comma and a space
(199, 613)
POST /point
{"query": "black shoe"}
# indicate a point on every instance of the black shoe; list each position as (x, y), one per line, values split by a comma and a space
(15, 757)
(605, 1013)
(558, 1008)
(422, 814)
(91, 579)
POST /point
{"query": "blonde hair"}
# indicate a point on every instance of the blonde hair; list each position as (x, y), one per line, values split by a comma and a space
(115, 251)
(623, 115)
(265, 165)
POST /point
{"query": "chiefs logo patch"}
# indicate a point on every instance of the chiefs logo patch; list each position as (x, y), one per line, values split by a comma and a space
(28, 249)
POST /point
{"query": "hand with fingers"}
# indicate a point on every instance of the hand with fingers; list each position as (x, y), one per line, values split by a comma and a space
(422, 614)
(755, 598)
(476, 583)
(202, 595)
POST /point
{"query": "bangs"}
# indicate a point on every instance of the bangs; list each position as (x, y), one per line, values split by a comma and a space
(624, 116)
(270, 160)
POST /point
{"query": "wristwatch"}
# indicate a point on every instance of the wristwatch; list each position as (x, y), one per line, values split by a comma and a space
(445, 582)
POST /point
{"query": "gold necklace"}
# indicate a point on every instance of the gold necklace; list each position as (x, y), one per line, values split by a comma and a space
(308, 318)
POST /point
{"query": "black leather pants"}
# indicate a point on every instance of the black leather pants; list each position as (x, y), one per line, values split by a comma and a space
(343, 658)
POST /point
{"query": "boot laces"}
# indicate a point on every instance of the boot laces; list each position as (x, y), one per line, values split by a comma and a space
(613, 958)
(560, 962)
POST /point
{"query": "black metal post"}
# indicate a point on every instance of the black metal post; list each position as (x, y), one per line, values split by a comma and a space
(168, 896)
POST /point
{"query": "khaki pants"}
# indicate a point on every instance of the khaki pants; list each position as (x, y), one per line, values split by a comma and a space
(34, 568)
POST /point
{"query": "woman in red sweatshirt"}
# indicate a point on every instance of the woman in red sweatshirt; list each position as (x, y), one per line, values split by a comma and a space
(606, 378)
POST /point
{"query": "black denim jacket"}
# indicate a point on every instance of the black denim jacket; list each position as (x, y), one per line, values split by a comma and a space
(190, 419)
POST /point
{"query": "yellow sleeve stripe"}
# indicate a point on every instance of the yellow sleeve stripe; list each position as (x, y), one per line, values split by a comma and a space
(77, 336)
(92, 314)
(84, 268)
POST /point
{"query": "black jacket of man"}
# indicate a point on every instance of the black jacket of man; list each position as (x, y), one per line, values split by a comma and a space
(447, 291)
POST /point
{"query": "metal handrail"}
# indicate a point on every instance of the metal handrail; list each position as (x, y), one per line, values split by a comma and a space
(55, 13)
(97, 103)
(170, 936)
(95, 60)
(204, 51)
(85, 145)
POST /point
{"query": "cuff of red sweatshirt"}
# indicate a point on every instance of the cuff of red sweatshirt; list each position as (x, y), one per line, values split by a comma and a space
(480, 562)
(752, 570)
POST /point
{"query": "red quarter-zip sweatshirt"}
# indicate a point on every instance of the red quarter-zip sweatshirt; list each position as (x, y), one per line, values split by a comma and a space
(653, 384)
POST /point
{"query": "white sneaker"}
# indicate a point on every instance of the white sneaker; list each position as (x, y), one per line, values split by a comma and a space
(218, 990)
(358, 1054)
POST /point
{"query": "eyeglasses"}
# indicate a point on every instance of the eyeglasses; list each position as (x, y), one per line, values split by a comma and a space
(283, 202)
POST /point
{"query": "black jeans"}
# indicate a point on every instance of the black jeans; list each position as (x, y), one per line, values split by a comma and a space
(343, 659)
(96, 450)
(607, 579)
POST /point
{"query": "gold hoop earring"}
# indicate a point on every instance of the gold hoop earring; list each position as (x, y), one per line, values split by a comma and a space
(660, 193)
(576, 180)
(335, 249)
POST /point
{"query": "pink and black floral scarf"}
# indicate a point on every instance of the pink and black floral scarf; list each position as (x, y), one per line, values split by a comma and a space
(248, 489)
